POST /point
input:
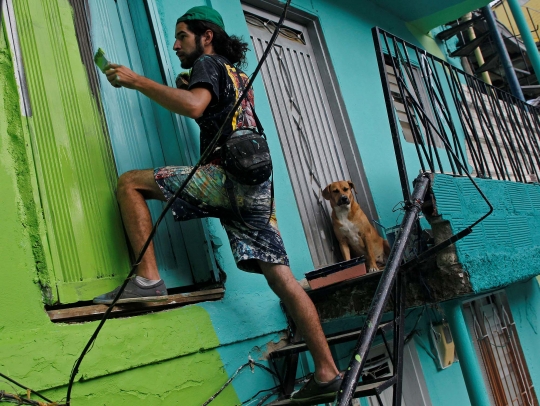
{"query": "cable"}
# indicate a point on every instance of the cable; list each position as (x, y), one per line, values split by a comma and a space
(275, 388)
(251, 363)
(414, 331)
(206, 154)
(265, 398)
(25, 387)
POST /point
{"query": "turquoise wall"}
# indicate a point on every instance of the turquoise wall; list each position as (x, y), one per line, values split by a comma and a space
(446, 387)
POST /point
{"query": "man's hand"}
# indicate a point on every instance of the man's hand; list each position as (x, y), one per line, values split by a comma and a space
(120, 76)
(189, 103)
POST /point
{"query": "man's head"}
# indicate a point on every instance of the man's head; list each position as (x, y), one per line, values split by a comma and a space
(201, 31)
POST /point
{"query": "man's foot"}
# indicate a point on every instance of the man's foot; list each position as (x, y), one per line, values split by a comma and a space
(313, 392)
(135, 292)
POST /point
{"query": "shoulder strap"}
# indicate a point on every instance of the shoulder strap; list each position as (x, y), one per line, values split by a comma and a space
(260, 128)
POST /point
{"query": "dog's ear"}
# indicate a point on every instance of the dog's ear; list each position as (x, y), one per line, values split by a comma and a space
(351, 185)
(326, 192)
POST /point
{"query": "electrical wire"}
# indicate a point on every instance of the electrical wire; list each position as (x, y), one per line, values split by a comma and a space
(206, 154)
(265, 398)
(414, 331)
(25, 387)
(252, 364)
(275, 388)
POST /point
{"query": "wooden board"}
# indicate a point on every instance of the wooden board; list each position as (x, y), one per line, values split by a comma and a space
(92, 312)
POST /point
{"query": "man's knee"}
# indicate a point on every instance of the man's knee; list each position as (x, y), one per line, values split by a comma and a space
(141, 181)
(128, 181)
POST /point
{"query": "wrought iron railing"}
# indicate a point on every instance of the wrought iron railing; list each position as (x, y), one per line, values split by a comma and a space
(457, 123)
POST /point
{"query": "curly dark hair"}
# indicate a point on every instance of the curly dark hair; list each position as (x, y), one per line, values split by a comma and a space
(231, 47)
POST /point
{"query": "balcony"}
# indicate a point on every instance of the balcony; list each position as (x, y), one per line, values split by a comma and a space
(480, 146)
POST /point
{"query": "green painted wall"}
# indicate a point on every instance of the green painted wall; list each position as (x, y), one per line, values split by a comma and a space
(505, 247)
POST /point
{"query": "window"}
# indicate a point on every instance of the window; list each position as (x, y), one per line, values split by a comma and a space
(416, 94)
(497, 345)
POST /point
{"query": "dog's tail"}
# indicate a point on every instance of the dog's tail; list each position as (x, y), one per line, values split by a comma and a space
(386, 248)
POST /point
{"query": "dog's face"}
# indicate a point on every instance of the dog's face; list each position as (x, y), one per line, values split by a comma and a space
(339, 193)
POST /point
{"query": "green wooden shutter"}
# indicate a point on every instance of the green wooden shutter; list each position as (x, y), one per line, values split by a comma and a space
(74, 165)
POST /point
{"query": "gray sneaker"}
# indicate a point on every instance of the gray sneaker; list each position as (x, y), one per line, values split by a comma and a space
(134, 292)
(313, 393)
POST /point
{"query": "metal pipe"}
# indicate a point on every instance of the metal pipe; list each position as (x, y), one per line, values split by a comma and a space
(503, 53)
(474, 381)
(382, 294)
(526, 36)
(477, 52)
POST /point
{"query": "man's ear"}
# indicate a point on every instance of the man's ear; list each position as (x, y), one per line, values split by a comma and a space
(326, 192)
(351, 185)
(207, 37)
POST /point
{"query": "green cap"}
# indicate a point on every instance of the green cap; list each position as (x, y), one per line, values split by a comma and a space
(203, 13)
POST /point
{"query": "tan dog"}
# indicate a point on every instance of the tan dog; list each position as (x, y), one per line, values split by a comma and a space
(353, 230)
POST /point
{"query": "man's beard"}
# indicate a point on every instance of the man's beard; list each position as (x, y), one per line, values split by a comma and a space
(190, 59)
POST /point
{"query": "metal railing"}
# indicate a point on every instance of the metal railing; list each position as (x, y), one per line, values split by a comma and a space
(458, 123)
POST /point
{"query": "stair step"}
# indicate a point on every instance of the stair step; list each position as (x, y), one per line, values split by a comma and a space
(490, 64)
(450, 32)
(337, 338)
(524, 72)
(370, 388)
(469, 48)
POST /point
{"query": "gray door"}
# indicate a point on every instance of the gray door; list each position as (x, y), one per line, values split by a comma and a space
(312, 139)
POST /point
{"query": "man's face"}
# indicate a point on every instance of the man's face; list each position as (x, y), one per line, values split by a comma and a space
(187, 46)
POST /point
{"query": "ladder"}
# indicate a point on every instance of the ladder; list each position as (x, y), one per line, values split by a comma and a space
(392, 283)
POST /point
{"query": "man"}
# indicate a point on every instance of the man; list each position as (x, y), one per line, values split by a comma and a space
(214, 86)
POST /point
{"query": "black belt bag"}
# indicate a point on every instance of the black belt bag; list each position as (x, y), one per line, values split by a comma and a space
(245, 155)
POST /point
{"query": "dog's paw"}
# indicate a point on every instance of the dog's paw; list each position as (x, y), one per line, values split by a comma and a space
(373, 270)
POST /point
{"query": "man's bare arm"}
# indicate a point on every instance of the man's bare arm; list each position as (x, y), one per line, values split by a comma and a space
(189, 103)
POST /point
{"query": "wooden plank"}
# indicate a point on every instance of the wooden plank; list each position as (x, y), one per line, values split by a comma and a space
(90, 312)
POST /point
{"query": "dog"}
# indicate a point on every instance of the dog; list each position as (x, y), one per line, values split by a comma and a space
(354, 232)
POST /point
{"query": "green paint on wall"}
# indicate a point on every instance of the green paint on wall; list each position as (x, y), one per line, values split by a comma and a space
(186, 381)
(20, 243)
(123, 344)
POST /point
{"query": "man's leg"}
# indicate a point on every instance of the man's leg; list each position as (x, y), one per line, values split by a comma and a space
(134, 188)
(304, 314)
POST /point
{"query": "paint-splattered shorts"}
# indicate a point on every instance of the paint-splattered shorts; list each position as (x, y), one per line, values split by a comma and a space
(206, 196)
